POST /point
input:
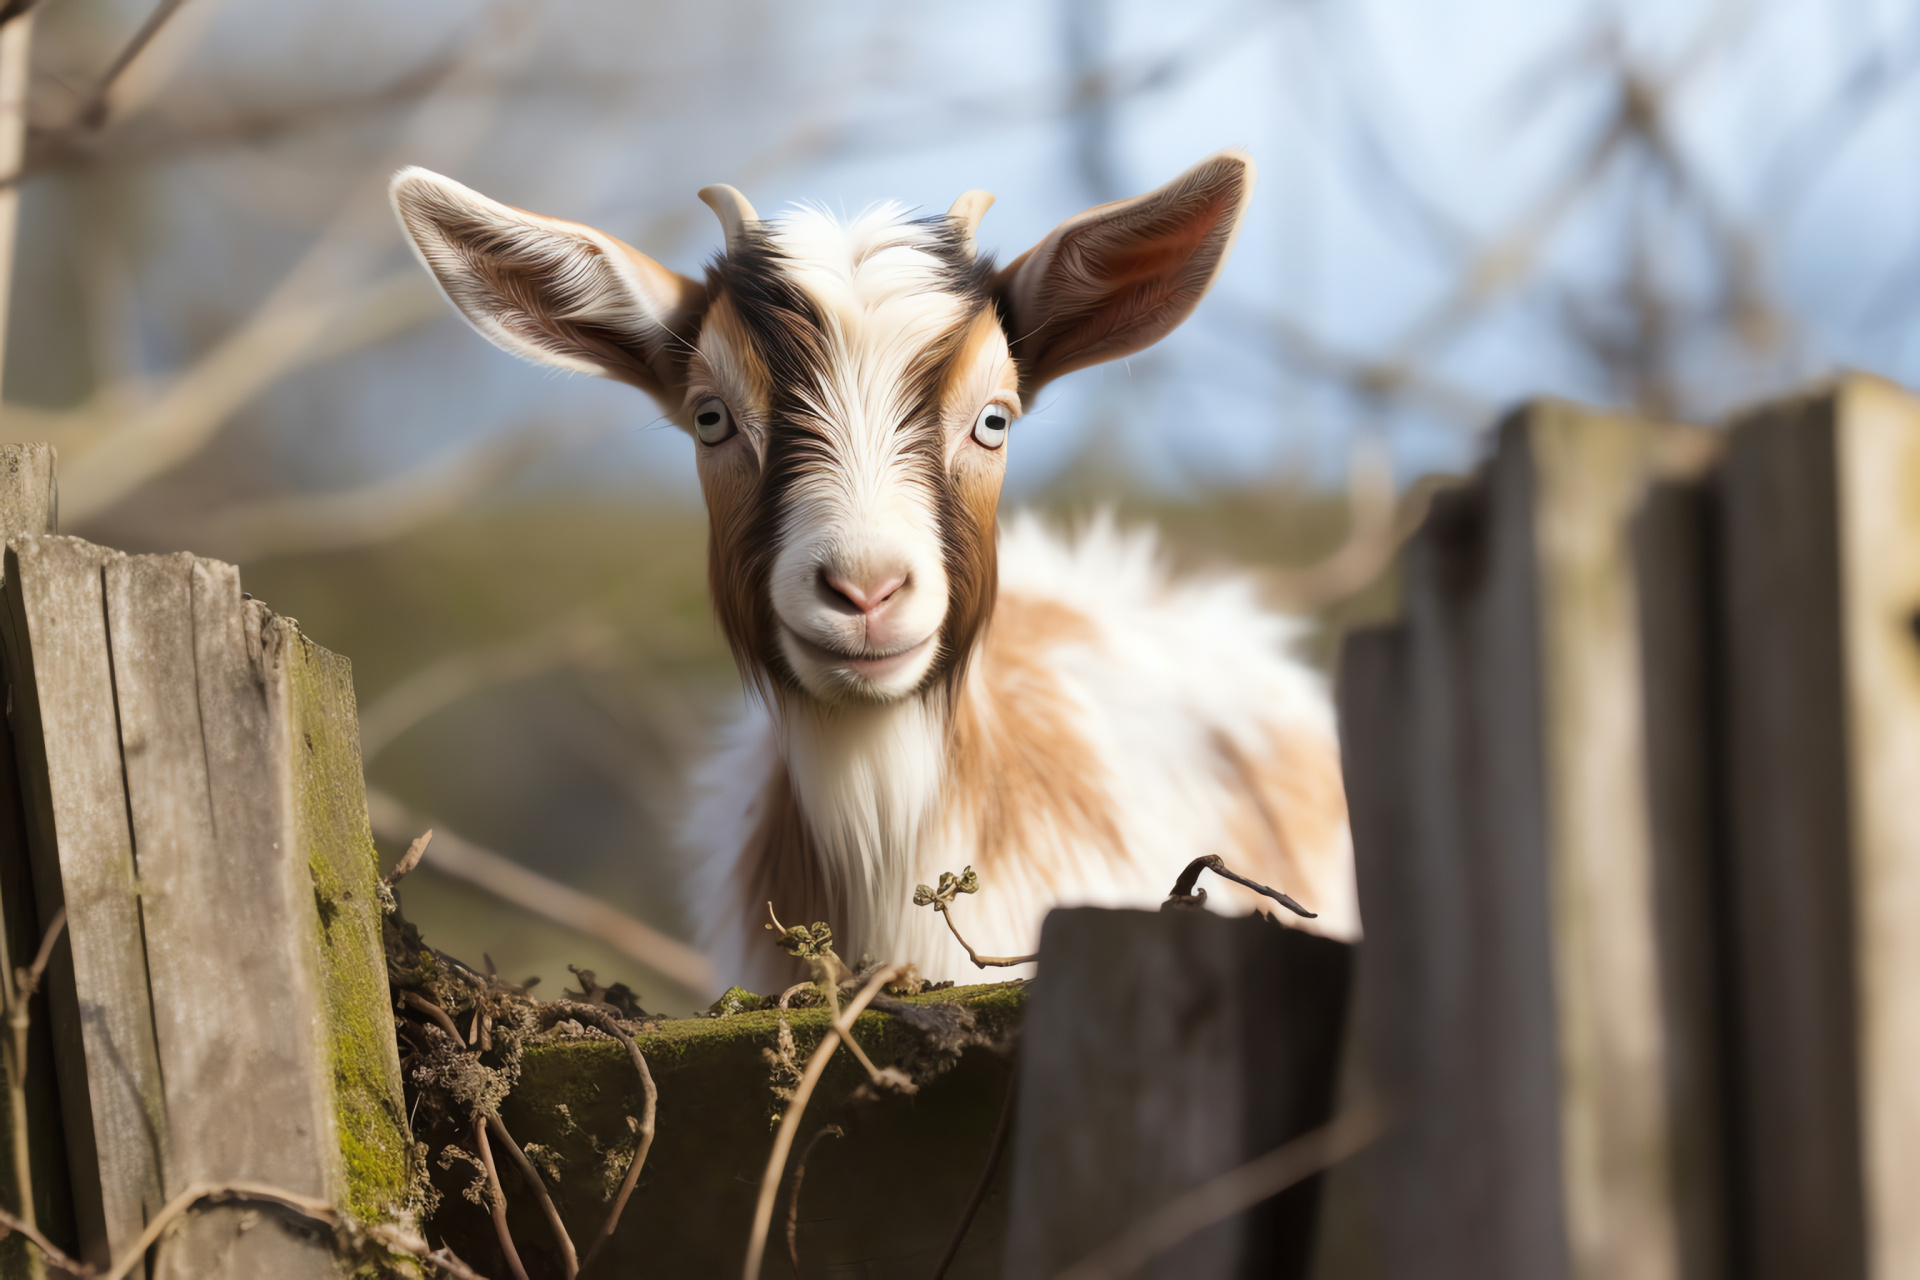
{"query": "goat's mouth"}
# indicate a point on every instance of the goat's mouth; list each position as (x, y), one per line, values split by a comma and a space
(867, 666)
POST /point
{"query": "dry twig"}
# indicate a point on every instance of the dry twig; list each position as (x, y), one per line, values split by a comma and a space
(643, 1133)
(783, 1141)
(1184, 895)
(496, 1199)
(531, 891)
(409, 860)
(793, 1191)
(1232, 1192)
(51, 1251)
(941, 900)
(20, 986)
(1000, 1132)
(569, 1260)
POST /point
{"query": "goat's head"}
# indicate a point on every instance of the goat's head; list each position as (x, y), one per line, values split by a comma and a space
(849, 388)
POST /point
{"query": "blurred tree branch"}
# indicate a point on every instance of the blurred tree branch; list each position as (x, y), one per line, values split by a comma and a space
(387, 508)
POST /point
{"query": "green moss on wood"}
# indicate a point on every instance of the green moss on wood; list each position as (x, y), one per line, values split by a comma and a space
(331, 810)
(880, 1201)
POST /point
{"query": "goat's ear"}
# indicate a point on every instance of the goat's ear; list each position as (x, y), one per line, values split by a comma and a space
(1120, 277)
(554, 292)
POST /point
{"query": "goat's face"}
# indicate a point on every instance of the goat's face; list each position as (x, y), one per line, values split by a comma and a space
(849, 389)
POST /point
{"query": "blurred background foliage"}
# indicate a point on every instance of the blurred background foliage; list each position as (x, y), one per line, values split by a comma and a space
(1673, 206)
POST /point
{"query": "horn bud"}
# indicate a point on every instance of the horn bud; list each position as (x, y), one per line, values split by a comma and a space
(731, 208)
(967, 212)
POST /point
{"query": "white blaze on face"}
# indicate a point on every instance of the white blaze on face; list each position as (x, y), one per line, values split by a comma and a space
(859, 583)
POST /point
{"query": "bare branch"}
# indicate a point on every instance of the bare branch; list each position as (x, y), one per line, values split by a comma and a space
(783, 1141)
(1000, 1132)
(292, 1201)
(16, 43)
(27, 982)
(570, 641)
(793, 1191)
(51, 1251)
(410, 859)
(383, 510)
(1232, 1192)
(1184, 894)
(643, 1132)
(569, 1260)
(497, 1200)
(195, 405)
(531, 891)
(93, 113)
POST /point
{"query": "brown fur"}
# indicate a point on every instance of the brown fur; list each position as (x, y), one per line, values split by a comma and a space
(1290, 804)
(1017, 758)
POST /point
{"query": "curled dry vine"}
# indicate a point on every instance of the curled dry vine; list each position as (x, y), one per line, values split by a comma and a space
(1186, 897)
(941, 900)
(460, 1079)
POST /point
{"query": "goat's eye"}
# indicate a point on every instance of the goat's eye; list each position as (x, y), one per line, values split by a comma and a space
(990, 428)
(711, 421)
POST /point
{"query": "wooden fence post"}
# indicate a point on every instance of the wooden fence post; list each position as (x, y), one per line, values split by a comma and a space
(1820, 548)
(1160, 1050)
(192, 795)
(1517, 1016)
(27, 507)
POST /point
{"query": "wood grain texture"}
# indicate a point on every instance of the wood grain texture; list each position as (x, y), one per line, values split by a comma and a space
(227, 907)
(1160, 1050)
(64, 725)
(1878, 475)
(27, 509)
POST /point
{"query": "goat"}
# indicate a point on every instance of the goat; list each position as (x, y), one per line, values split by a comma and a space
(929, 690)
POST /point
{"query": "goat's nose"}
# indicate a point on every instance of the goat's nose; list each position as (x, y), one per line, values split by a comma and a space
(867, 594)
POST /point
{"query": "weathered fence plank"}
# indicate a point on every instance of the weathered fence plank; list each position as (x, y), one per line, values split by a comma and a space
(191, 779)
(27, 509)
(65, 731)
(1820, 538)
(1160, 1050)
(227, 914)
(1519, 1017)
(314, 743)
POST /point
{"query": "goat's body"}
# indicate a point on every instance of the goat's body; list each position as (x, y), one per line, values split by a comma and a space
(1113, 726)
(1057, 714)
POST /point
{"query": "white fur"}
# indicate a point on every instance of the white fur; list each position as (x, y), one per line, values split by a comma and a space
(869, 518)
(1173, 665)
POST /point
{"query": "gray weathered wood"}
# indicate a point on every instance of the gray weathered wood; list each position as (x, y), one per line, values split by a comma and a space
(1160, 1050)
(1820, 537)
(27, 509)
(228, 911)
(1518, 1017)
(64, 727)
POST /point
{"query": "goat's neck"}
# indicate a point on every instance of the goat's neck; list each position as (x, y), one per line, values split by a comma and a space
(867, 777)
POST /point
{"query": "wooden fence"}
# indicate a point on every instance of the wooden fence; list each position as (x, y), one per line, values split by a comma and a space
(1632, 791)
(183, 779)
(1633, 787)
